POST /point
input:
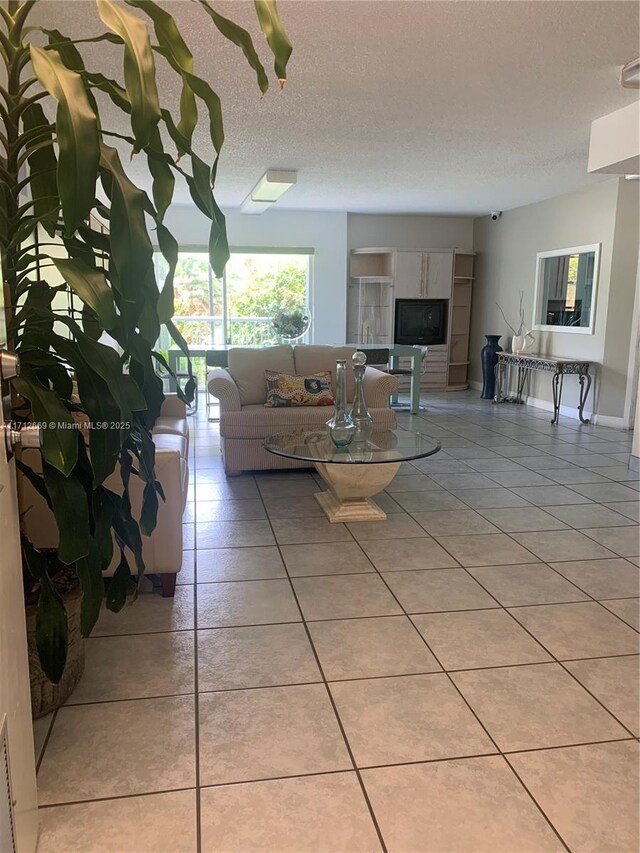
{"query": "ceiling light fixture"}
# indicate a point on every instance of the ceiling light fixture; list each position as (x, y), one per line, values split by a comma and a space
(632, 177)
(630, 74)
(273, 184)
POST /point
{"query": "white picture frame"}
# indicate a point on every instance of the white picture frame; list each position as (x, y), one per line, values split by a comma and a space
(538, 302)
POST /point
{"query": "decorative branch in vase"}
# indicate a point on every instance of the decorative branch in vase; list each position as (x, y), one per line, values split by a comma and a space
(522, 339)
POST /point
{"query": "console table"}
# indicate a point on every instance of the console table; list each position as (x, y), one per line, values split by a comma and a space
(558, 367)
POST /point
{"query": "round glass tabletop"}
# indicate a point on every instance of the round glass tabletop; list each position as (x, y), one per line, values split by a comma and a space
(387, 446)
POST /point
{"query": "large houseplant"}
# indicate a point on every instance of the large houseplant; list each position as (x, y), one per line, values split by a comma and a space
(68, 205)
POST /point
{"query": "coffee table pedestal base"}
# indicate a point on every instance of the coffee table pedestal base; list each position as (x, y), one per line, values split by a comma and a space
(349, 490)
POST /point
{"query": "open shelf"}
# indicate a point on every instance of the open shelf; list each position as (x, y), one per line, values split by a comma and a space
(374, 279)
(371, 264)
(463, 264)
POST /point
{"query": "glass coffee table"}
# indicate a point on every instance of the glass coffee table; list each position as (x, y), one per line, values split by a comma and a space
(353, 474)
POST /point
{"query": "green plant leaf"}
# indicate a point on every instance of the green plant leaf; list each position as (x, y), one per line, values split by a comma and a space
(36, 480)
(139, 68)
(200, 189)
(69, 504)
(240, 37)
(131, 251)
(36, 317)
(90, 324)
(51, 617)
(59, 443)
(43, 166)
(76, 133)
(115, 92)
(91, 286)
(149, 512)
(92, 585)
(104, 361)
(49, 371)
(174, 47)
(271, 25)
(204, 91)
(118, 585)
(100, 406)
(124, 525)
(164, 182)
(168, 245)
(102, 512)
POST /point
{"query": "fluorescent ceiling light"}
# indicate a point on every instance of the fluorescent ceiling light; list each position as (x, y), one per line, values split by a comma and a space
(268, 190)
(632, 177)
(630, 74)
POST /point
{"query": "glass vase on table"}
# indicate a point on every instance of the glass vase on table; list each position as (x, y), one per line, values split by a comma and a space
(360, 414)
(341, 427)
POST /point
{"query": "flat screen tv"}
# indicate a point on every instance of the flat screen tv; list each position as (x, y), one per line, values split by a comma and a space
(421, 321)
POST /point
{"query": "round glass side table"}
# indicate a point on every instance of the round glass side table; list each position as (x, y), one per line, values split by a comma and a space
(353, 474)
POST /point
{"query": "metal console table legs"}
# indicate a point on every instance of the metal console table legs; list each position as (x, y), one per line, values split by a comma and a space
(559, 367)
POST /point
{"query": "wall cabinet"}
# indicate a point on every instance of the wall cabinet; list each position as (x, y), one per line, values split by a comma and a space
(423, 275)
(377, 277)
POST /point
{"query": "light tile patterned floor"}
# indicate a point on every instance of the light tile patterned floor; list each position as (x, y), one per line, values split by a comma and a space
(461, 677)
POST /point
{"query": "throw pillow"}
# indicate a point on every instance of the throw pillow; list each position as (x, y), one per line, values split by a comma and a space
(283, 389)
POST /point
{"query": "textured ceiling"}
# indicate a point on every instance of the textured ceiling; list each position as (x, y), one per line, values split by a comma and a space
(425, 106)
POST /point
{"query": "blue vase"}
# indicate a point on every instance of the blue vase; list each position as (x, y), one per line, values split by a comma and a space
(489, 357)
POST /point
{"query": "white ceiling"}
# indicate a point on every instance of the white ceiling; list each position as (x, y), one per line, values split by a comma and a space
(433, 107)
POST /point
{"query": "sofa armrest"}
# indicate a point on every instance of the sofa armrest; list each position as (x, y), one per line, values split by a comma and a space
(222, 385)
(173, 407)
(378, 387)
(162, 551)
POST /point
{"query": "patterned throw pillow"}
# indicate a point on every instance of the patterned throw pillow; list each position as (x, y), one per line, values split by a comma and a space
(283, 389)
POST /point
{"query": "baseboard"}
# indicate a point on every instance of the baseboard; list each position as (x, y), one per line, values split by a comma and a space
(566, 411)
(608, 421)
(547, 406)
(536, 402)
(572, 412)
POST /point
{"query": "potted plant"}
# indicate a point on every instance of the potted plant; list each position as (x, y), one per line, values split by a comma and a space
(69, 207)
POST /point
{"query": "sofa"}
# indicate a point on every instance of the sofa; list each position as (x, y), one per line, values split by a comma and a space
(245, 422)
(162, 551)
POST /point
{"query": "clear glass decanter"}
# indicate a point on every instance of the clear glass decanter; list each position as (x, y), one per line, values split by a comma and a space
(341, 427)
(359, 413)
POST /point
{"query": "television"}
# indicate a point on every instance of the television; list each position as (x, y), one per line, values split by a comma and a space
(421, 321)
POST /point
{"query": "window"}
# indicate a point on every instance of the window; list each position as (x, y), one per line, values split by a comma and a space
(258, 285)
(236, 309)
(566, 289)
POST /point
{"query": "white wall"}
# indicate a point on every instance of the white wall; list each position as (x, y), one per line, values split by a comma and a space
(332, 235)
(409, 231)
(506, 265)
(325, 232)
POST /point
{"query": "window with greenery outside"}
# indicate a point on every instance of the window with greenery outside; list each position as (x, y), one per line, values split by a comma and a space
(254, 287)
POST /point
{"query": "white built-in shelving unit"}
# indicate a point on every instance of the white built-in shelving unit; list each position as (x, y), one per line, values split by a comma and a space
(379, 276)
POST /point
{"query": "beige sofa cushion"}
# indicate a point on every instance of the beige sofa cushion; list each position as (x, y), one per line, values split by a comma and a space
(248, 364)
(260, 422)
(312, 359)
(172, 426)
(169, 441)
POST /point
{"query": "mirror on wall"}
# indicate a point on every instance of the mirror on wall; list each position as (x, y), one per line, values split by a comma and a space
(566, 281)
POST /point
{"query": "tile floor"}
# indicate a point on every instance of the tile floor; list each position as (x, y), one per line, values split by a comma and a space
(462, 677)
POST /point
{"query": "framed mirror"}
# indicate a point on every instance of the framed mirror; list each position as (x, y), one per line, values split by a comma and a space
(566, 283)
